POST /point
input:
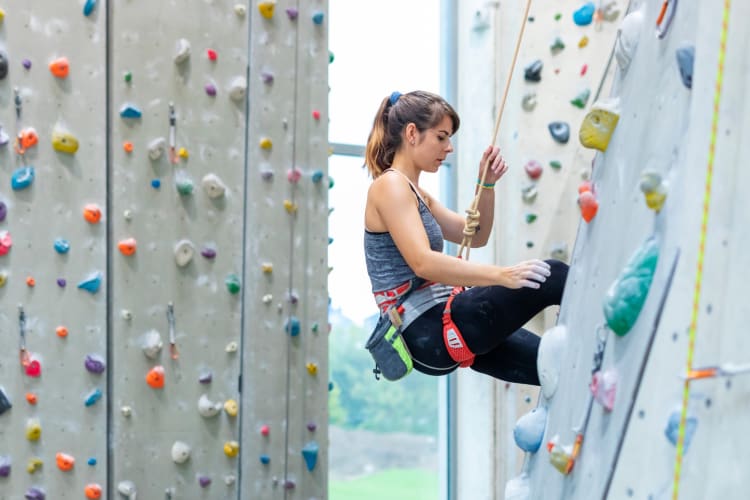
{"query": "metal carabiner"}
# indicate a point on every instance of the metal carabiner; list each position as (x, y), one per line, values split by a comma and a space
(662, 25)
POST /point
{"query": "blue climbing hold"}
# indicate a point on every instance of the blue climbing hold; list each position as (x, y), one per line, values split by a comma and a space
(92, 283)
(88, 7)
(292, 326)
(22, 178)
(318, 18)
(685, 61)
(317, 176)
(130, 111)
(265, 459)
(91, 461)
(560, 131)
(310, 454)
(330, 386)
(156, 183)
(626, 296)
(62, 245)
(673, 429)
(585, 14)
(529, 430)
(93, 397)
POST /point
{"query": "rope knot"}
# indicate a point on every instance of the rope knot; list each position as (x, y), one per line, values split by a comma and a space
(472, 222)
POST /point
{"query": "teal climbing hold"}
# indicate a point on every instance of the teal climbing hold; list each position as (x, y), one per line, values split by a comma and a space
(88, 7)
(585, 14)
(130, 111)
(317, 176)
(529, 429)
(318, 18)
(93, 397)
(233, 284)
(310, 454)
(555, 164)
(581, 99)
(92, 283)
(22, 178)
(62, 245)
(626, 296)
(292, 326)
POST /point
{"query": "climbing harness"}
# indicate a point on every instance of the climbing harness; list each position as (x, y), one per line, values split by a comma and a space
(701, 248)
(454, 341)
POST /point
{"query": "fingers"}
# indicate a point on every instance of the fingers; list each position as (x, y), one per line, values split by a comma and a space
(534, 273)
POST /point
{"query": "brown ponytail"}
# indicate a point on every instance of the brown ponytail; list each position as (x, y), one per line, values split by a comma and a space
(423, 109)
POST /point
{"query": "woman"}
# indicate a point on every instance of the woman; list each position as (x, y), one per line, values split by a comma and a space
(404, 232)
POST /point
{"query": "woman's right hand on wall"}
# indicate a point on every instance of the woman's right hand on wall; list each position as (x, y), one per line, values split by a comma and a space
(528, 274)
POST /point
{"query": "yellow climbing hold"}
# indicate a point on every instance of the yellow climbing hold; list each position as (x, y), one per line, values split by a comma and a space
(583, 42)
(183, 153)
(231, 448)
(312, 368)
(266, 143)
(266, 9)
(64, 142)
(654, 189)
(267, 267)
(34, 465)
(290, 206)
(231, 407)
(3, 278)
(599, 125)
(33, 430)
(2, 15)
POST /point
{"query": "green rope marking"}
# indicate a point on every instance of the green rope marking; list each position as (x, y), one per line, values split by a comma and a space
(701, 249)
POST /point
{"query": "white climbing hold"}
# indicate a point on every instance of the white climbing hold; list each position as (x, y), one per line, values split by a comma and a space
(231, 347)
(213, 186)
(180, 452)
(238, 88)
(183, 51)
(152, 344)
(240, 10)
(529, 429)
(126, 411)
(208, 408)
(548, 359)
(156, 148)
(126, 315)
(184, 251)
(127, 489)
(518, 488)
(627, 39)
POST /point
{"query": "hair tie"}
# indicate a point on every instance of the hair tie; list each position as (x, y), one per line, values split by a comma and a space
(394, 97)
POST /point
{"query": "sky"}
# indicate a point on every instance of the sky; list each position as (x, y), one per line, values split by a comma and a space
(379, 47)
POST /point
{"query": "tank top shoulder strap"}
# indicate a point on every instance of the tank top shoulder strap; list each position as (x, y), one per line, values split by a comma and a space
(411, 185)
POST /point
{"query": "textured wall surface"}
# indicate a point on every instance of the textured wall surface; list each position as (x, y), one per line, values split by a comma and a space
(202, 131)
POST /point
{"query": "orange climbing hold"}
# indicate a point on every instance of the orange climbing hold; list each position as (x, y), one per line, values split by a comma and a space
(60, 67)
(92, 213)
(26, 138)
(588, 204)
(31, 398)
(127, 246)
(585, 186)
(93, 491)
(61, 331)
(155, 377)
(127, 146)
(30, 281)
(64, 461)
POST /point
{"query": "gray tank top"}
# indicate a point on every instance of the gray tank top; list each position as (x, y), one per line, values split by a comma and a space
(385, 264)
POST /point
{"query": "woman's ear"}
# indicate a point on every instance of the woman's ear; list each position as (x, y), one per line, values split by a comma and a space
(411, 132)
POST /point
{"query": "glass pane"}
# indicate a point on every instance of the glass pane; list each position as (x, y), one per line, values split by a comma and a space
(383, 435)
(379, 47)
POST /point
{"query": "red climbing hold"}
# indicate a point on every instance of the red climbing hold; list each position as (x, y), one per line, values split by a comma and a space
(533, 169)
(588, 204)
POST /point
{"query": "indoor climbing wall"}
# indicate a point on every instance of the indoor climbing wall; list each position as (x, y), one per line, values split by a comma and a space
(285, 384)
(178, 108)
(642, 378)
(165, 217)
(53, 366)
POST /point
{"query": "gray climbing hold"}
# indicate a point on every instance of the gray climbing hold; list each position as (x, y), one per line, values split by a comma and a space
(3, 65)
(5, 404)
(627, 40)
(528, 102)
(533, 72)
(685, 61)
(560, 131)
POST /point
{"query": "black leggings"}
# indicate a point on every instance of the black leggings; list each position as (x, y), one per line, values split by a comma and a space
(490, 319)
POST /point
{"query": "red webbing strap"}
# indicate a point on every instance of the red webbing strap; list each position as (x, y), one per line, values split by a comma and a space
(454, 341)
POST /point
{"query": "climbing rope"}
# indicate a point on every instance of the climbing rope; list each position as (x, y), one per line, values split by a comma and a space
(472, 213)
(701, 250)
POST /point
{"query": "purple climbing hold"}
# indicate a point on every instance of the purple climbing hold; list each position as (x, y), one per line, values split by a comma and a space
(94, 364)
(34, 493)
(26, 63)
(204, 481)
(210, 89)
(289, 484)
(208, 253)
(292, 13)
(3, 211)
(267, 77)
(311, 426)
(61, 282)
(205, 377)
(4, 466)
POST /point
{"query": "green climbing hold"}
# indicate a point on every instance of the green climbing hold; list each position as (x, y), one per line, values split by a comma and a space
(558, 16)
(128, 76)
(330, 57)
(581, 99)
(530, 218)
(233, 284)
(330, 182)
(529, 244)
(628, 293)
(555, 164)
(531, 19)
(557, 46)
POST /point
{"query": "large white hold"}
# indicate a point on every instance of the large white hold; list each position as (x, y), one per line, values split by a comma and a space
(627, 39)
(152, 344)
(180, 452)
(551, 349)
(208, 408)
